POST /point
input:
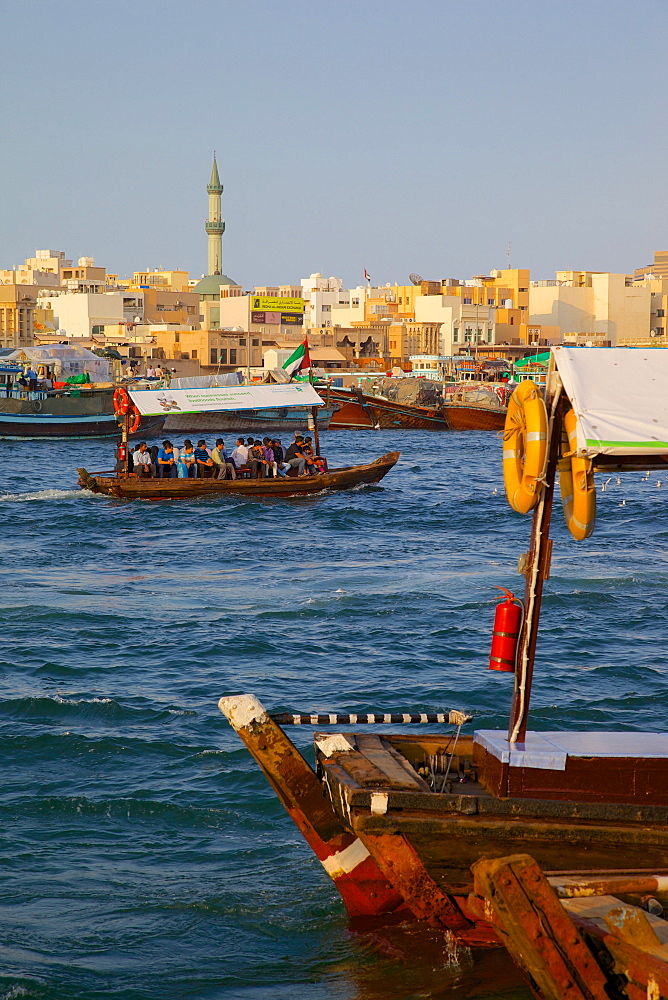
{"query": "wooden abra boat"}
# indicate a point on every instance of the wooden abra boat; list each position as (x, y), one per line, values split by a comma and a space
(133, 407)
(397, 821)
(575, 937)
(133, 487)
(475, 409)
(359, 410)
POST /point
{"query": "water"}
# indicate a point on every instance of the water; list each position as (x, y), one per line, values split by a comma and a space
(142, 854)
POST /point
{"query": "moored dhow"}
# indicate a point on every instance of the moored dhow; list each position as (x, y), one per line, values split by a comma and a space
(397, 821)
(75, 413)
(362, 411)
(476, 408)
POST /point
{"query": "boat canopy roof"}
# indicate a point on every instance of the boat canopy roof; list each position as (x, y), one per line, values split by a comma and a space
(236, 397)
(65, 360)
(620, 398)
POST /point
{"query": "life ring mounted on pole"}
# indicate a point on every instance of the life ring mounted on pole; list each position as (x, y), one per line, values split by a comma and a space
(576, 482)
(136, 415)
(122, 401)
(525, 447)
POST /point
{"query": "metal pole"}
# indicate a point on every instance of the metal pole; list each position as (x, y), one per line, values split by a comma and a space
(316, 436)
(125, 435)
(537, 570)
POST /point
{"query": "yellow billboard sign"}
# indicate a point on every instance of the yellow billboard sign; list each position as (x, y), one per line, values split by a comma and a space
(276, 303)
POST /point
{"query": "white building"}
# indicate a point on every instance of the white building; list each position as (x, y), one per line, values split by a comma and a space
(353, 307)
(320, 296)
(83, 314)
(462, 324)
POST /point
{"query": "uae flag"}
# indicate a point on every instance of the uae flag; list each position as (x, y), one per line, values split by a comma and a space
(299, 360)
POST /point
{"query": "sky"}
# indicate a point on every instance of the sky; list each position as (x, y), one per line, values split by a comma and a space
(441, 137)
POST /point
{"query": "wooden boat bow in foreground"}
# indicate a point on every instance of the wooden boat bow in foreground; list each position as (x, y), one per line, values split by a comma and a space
(397, 821)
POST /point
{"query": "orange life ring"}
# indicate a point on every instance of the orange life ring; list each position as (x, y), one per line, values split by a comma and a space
(525, 447)
(137, 419)
(576, 481)
(121, 401)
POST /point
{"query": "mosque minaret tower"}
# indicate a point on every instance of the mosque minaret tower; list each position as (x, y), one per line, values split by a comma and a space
(214, 225)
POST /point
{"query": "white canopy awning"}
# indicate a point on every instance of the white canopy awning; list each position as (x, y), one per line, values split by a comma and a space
(237, 397)
(620, 398)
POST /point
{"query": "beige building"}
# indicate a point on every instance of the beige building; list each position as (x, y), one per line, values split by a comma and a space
(659, 269)
(211, 349)
(592, 307)
(172, 281)
(17, 307)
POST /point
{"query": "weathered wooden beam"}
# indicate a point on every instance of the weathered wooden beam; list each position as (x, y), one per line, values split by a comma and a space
(403, 866)
(514, 895)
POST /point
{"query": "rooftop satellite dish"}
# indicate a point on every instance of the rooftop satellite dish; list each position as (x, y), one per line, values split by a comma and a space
(415, 279)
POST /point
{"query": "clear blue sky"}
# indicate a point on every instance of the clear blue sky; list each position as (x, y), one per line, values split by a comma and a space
(396, 135)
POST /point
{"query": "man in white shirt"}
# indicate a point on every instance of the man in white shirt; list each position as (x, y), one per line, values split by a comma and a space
(150, 372)
(239, 454)
(142, 460)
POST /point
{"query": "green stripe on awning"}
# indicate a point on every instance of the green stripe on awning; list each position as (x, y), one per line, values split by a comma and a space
(595, 443)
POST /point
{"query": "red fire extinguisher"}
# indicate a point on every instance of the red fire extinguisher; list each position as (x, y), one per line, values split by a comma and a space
(122, 452)
(506, 633)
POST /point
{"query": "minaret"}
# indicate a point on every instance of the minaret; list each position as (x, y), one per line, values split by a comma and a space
(214, 225)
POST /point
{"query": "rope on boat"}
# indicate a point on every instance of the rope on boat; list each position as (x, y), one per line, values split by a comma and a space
(452, 718)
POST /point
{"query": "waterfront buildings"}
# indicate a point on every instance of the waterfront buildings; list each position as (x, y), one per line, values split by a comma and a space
(214, 322)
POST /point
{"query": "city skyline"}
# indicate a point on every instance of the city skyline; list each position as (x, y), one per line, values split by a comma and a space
(347, 137)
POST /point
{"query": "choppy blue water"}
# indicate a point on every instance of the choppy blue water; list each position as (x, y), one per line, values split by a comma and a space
(141, 852)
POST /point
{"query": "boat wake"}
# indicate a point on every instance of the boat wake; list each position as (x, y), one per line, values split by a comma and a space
(43, 495)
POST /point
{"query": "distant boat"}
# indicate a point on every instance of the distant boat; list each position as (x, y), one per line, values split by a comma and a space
(363, 411)
(274, 418)
(481, 407)
(79, 412)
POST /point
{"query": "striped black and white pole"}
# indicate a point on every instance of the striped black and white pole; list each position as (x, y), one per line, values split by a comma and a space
(452, 718)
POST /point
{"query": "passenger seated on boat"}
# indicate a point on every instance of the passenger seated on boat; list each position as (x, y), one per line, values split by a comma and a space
(295, 458)
(203, 460)
(154, 458)
(319, 465)
(167, 461)
(307, 450)
(223, 466)
(279, 457)
(188, 458)
(239, 454)
(256, 460)
(141, 458)
(23, 382)
(268, 452)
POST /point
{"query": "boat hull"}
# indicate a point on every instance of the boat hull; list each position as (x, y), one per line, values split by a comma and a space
(364, 412)
(462, 417)
(48, 427)
(61, 417)
(272, 418)
(134, 488)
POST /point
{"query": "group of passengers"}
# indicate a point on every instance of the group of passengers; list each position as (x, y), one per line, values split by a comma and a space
(262, 458)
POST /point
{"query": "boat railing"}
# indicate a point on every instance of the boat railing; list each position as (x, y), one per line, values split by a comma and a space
(25, 394)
